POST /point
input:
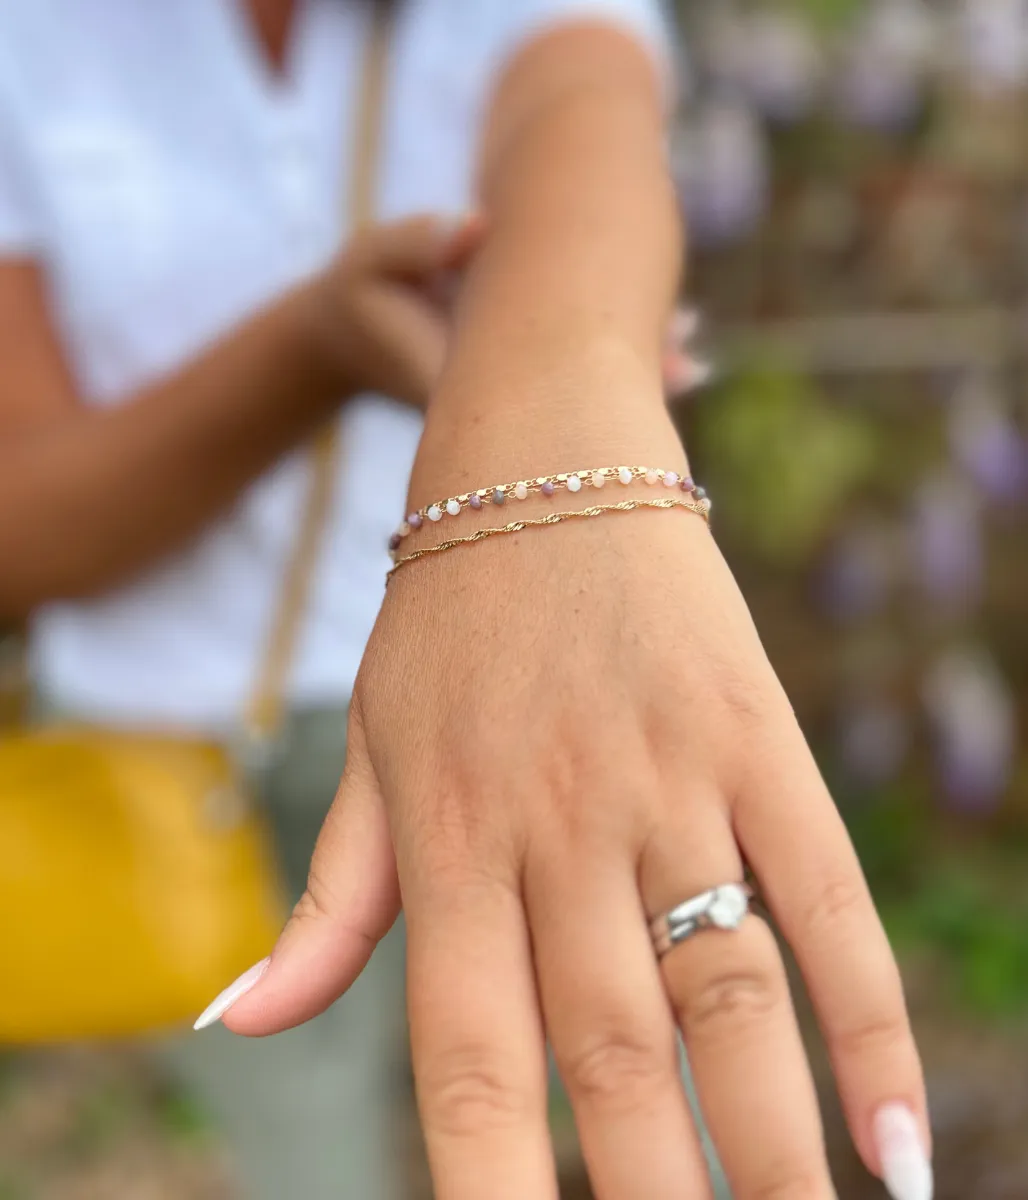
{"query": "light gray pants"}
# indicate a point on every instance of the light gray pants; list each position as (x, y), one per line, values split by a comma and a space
(318, 1113)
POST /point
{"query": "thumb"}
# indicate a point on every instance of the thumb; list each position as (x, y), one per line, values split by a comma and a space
(351, 901)
(417, 246)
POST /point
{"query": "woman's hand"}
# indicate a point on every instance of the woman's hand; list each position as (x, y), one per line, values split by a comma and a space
(561, 734)
(381, 310)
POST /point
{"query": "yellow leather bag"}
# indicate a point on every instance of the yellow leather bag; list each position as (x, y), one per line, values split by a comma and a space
(136, 879)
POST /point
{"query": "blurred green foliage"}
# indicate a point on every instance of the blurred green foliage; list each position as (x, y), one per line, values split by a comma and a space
(783, 462)
(961, 906)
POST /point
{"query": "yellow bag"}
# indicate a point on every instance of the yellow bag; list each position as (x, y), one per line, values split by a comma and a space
(135, 879)
(134, 883)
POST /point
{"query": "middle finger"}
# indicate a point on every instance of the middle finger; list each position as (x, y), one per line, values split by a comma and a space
(611, 1027)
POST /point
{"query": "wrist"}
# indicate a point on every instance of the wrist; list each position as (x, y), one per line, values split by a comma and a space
(322, 341)
(600, 405)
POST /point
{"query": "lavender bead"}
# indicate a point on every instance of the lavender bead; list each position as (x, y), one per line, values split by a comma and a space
(414, 520)
(475, 500)
(688, 485)
(670, 478)
(547, 488)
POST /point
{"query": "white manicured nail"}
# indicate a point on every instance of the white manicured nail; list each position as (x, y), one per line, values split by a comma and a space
(683, 325)
(235, 991)
(702, 374)
(906, 1171)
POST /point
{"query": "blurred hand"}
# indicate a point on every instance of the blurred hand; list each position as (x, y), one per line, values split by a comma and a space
(556, 736)
(382, 308)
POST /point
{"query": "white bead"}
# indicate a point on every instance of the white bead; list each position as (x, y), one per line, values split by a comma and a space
(521, 490)
(652, 476)
(625, 475)
(453, 507)
(435, 513)
(597, 479)
(574, 483)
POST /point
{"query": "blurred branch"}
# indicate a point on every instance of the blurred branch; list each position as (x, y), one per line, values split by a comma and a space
(886, 341)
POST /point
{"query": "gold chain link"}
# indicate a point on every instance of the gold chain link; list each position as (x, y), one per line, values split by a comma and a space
(701, 508)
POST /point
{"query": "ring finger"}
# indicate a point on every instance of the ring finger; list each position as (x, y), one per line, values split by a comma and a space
(731, 997)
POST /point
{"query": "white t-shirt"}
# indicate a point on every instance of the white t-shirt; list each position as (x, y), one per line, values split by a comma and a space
(169, 185)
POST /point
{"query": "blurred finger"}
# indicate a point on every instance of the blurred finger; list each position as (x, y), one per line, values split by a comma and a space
(730, 993)
(612, 1031)
(417, 246)
(682, 327)
(825, 910)
(477, 1039)
(352, 900)
(683, 374)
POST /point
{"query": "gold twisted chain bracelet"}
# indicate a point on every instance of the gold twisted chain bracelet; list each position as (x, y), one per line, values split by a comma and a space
(700, 507)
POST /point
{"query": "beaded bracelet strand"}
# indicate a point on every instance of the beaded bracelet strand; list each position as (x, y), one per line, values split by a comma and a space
(547, 485)
(700, 507)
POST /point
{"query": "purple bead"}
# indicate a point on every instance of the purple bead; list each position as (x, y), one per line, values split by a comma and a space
(547, 488)
(499, 496)
(414, 520)
(474, 500)
(670, 478)
(688, 485)
(394, 542)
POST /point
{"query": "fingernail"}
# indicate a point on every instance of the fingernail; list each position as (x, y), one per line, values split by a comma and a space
(235, 991)
(906, 1171)
(684, 323)
(451, 224)
(684, 374)
(702, 374)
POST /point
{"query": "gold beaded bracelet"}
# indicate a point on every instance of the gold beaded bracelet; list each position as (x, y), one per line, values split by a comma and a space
(573, 481)
(701, 507)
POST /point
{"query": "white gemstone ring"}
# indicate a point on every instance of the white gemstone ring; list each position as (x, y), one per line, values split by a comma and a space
(723, 907)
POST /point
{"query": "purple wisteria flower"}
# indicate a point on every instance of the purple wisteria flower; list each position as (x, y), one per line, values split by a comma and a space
(974, 726)
(947, 549)
(859, 572)
(985, 441)
(720, 163)
(882, 77)
(989, 44)
(874, 737)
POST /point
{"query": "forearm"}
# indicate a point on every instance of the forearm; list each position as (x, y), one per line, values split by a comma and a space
(89, 499)
(556, 361)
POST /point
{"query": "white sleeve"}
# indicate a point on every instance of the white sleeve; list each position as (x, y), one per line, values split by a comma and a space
(647, 20)
(20, 221)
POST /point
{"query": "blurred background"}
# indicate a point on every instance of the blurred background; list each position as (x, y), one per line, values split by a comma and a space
(854, 174)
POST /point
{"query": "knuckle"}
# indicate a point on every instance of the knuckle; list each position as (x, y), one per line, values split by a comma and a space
(785, 1182)
(729, 1000)
(876, 1034)
(470, 1090)
(837, 902)
(617, 1068)
(746, 697)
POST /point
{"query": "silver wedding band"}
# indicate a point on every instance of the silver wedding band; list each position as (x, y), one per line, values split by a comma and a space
(723, 907)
